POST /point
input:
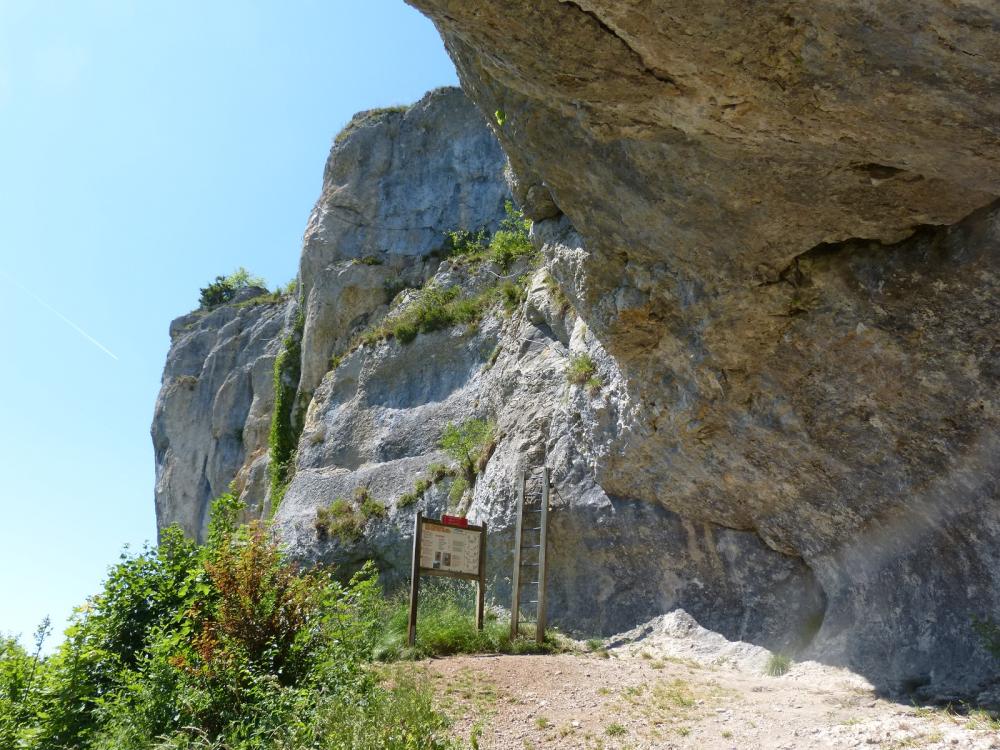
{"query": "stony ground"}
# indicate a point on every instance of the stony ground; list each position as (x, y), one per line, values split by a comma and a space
(639, 697)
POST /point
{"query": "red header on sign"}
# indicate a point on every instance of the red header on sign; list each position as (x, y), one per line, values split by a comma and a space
(454, 521)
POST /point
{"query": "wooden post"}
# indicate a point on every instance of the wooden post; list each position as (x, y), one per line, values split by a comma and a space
(481, 583)
(542, 566)
(411, 633)
(515, 593)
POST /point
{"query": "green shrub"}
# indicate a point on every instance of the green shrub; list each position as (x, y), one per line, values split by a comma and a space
(224, 288)
(777, 665)
(511, 241)
(465, 244)
(227, 645)
(581, 368)
(370, 260)
(372, 508)
(456, 492)
(467, 443)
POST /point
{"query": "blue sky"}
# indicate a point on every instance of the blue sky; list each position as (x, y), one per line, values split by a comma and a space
(146, 147)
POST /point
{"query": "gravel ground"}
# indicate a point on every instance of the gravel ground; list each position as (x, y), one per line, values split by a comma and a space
(639, 696)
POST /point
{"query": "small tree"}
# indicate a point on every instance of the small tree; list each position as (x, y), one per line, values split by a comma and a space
(466, 442)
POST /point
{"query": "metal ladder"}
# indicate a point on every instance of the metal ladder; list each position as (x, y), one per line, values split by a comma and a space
(530, 538)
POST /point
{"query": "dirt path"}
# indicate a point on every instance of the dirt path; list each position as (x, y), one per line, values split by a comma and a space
(636, 700)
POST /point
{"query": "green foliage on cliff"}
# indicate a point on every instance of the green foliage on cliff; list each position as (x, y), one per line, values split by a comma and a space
(511, 241)
(285, 429)
(227, 645)
(224, 288)
(469, 443)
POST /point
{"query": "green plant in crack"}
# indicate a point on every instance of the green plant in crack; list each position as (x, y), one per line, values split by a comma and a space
(285, 428)
(581, 369)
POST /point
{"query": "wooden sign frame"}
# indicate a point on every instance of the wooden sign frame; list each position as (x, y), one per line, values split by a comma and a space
(418, 570)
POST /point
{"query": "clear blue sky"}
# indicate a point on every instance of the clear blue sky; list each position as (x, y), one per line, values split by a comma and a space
(144, 148)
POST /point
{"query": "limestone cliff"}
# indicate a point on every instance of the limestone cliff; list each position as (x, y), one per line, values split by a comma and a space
(772, 229)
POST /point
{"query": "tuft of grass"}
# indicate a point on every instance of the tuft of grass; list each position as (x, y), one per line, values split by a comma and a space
(370, 260)
(615, 730)
(446, 626)
(580, 369)
(777, 665)
(436, 472)
(372, 508)
(341, 519)
(594, 644)
(456, 492)
(542, 722)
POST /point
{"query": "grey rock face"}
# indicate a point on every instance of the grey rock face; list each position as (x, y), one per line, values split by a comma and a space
(213, 413)
(396, 181)
(375, 423)
(794, 432)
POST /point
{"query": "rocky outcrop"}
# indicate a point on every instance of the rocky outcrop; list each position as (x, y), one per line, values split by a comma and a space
(737, 173)
(210, 427)
(396, 181)
(773, 230)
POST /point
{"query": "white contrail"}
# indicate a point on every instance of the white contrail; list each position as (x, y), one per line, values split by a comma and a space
(63, 318)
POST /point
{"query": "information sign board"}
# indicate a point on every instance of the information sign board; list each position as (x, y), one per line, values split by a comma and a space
(445, 548)
(449, 548)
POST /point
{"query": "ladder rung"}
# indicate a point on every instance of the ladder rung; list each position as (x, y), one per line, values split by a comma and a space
(533, 546)
(533, 528)
(530, 565)
(527, 583)
(532, 601)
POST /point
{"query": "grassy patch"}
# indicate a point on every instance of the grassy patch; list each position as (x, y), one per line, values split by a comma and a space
(777, 665)
(446, 625)
(345, 519)
(435, 473)
(615, 730)
(581, 369)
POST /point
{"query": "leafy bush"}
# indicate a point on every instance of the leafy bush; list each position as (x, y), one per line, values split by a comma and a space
(227, 645)
(467, 443)
(511, 241)
(224, 288)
